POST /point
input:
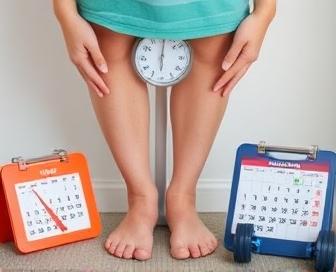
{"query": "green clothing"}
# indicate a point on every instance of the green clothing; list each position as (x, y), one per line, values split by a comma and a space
(166, 19)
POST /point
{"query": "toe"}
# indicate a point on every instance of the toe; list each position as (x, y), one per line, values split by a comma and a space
(107, 243)
(110, 240)
(142, 254)
(194, 251)
(120, 250)
(204, 249)
(113, 246)
(180, 252)
(128, 252)
(214, 243)
(210, 247)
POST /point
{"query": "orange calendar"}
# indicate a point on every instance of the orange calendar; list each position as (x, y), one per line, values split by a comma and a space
(47, 201)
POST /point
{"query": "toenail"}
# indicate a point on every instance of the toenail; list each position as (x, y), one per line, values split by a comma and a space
(183, 250)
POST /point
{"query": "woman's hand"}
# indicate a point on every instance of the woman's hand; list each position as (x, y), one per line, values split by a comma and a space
(84, 51)
(243, 52)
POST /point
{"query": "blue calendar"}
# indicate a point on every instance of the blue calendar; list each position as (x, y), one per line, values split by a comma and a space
(280, 205)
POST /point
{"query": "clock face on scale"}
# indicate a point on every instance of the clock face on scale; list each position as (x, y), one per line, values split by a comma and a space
(162, 62)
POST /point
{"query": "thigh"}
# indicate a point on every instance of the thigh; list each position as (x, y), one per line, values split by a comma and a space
(208, 55)
(117, 50)
(211, 50)
(115, 46)
(125, 85)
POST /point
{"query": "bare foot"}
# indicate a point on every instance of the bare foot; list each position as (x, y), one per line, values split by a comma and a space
(133, 238)
(189, 236)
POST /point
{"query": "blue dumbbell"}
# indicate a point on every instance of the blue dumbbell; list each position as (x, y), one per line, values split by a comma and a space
(244, 243)
(324, 251)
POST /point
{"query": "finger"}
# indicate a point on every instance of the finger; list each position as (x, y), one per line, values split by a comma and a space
(92, 75)
(233, 82)
(233, 53)
(97, 57)
(241, 62)
(80, 70)
(94, 88)
(91, 85)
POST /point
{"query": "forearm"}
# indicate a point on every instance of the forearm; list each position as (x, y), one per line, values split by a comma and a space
(65, 9)
(265, 8)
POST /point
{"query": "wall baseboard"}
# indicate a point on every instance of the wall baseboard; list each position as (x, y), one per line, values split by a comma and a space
(212, 195)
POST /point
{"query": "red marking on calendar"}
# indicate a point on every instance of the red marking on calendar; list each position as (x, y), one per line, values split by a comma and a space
(313, 224)
(317, 204)
(317, 167)
(318, 193)
(54, 217)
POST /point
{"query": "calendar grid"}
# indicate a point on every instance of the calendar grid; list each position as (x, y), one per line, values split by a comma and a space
(283, 201)
(64, 196)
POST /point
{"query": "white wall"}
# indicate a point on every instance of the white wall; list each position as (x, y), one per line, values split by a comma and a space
(287, 98)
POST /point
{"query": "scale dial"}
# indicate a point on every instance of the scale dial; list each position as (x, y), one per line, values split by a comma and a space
(162, 62)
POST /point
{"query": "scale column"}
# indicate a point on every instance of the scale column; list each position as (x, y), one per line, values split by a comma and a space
(160, 148)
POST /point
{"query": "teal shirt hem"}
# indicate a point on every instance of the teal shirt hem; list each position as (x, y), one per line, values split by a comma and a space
(195, 28)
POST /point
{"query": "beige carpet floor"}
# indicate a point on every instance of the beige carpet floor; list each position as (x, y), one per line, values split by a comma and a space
(90, 255)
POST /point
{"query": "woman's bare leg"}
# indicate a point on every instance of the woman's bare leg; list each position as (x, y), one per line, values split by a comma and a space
(124, 119)
(196, 114)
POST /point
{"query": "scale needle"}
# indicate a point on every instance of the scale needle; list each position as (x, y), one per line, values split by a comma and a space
(51, 213)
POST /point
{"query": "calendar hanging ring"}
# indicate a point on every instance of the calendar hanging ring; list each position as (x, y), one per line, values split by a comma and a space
(311, 151)
(58, 154)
